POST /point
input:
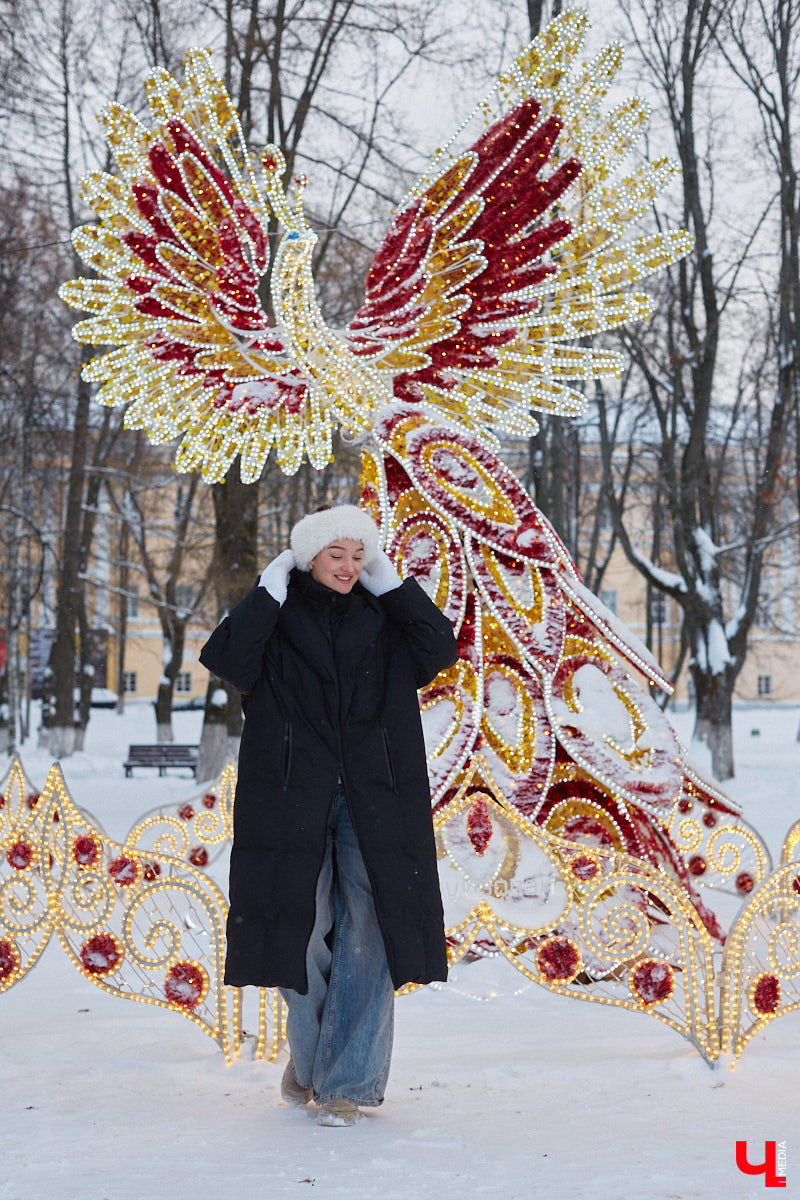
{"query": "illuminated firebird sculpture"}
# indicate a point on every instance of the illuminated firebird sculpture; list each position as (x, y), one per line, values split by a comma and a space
(573, 838)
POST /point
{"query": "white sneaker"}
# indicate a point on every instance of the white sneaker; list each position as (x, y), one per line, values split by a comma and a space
(338, 1112)
(291, 1090)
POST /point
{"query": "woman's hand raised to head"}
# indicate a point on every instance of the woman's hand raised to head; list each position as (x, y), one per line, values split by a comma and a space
(275, 576)
(379, 576)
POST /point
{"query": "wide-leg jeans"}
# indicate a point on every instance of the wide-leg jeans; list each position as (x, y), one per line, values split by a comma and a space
(340, 1032)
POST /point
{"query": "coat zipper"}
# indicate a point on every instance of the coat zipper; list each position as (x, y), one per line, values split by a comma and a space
(387, 752)
(287, 754)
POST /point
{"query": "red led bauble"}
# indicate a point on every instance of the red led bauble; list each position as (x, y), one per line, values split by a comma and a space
(151, 871)
(652, 981)
(124, 871)
(765, 997)
(9, 959)
(684, 806)
(101, 954)
(198, 856)
(210, 800)
(33, 799)
(558, 960)
(85, 850)
(186, 984)
(584, 867)
(745, 883)
(187, 812)
(709, 819)
(697, 865)
(19, 856)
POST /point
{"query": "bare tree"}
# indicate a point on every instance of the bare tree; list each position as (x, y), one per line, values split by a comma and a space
(157, 513)
(702, 433)
(30, 340)
(763, 49)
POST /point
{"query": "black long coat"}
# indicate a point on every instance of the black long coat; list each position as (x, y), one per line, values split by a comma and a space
(330, 685)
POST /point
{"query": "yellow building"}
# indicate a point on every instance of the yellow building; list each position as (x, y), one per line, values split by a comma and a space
(136, 522)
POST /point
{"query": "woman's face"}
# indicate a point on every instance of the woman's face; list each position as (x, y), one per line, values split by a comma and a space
(339, 565)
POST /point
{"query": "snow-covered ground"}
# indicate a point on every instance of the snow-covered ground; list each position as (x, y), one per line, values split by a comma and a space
(521, 1094)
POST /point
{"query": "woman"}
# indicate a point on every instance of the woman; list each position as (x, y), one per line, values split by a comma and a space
(334, 892)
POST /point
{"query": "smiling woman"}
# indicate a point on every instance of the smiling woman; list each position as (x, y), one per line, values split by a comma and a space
(339, 565)
(334, 887)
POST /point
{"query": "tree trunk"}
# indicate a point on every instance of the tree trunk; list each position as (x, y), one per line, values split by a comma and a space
(61, 734)
(713, 724)
(720, 731)
(217, 749)
(702, 719)
(164, 711)
(166, 686)
(235, 571)
(85, 676)
(122, 619)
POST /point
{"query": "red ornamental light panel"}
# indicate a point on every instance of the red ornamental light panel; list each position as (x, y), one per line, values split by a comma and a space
(196, 282)
(425, 546)
(451, 709)
(615, 731)
(517, 740)
(526, 601)
(487, 197)
(479, 825)
(465, 481)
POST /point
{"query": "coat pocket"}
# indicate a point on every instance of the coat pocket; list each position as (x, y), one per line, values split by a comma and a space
(388, 756)
(287, 755)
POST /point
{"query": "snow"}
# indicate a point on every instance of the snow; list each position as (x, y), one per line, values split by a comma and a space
(603, 715)
(625, 638)
(499, 1089)
(718, 654)
(706, 550)
(668, 581)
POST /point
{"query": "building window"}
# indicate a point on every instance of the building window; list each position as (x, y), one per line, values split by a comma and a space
(658, 608)
(765, 685)
(183, 682)
(184, 597)
(609, 598)
(132, 604)
(763, 615)
(129, 682)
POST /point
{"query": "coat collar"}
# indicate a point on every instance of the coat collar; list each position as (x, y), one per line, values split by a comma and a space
(360, 618)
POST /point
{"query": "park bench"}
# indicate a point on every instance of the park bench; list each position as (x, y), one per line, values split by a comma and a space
(162, 755)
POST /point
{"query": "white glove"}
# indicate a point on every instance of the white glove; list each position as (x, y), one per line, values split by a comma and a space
(275, 576)
(379, 576)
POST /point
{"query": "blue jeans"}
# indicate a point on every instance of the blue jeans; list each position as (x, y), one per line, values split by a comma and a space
(340, 1032)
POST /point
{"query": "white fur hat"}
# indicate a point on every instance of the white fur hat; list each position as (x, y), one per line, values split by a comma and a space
(317, 530)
